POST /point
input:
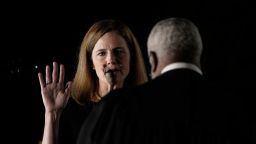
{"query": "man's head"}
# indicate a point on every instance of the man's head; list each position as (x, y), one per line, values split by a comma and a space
(173, 40)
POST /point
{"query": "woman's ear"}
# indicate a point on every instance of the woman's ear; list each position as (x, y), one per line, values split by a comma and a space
(153, 62)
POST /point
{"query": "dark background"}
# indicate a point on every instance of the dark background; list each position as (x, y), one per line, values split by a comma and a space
(35, 34)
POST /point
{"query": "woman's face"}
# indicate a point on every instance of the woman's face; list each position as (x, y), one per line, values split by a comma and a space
(111, 59)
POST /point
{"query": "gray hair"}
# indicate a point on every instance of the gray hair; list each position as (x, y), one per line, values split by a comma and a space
(177, 39)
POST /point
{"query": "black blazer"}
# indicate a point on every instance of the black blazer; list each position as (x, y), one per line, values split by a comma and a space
(71, 121)
(175, 107)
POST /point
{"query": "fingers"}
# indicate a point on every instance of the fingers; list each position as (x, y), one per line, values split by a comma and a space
(41, 80)
(62, 74)
(57, 75)
(55, 72)
(67, 90)
(48, 78)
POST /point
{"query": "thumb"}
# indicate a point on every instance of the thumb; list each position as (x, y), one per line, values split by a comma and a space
(68, 91)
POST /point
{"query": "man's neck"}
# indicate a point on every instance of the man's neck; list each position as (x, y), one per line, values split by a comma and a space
(178, 65)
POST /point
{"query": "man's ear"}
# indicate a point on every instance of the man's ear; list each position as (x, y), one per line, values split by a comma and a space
(153, 61)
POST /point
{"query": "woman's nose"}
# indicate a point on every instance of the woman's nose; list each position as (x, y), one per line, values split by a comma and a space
(111, 58)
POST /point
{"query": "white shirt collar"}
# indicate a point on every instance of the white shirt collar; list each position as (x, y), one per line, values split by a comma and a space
(178, 65)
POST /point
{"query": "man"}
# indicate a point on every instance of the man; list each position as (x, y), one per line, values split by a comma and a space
(171, 108)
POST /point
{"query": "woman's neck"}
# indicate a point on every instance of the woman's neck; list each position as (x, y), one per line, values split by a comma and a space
(105, 88)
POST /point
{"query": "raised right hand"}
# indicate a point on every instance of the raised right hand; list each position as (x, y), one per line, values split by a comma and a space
(55, 95)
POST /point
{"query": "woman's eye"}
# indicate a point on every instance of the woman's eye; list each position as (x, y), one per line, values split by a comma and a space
(101, 53)
(118, 51)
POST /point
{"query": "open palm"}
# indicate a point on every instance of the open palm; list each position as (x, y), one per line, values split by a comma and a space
(54, 94)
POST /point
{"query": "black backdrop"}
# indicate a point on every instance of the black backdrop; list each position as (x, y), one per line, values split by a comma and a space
(35, 34)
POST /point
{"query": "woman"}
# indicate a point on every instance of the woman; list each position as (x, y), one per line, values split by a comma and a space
(109, 58)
